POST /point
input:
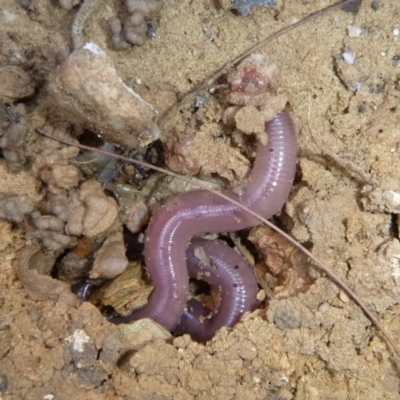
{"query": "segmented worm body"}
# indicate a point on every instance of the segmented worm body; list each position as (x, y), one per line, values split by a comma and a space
(198, 212)
(220, 266)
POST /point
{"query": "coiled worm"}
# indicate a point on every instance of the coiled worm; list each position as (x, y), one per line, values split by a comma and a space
(198, 212)
(220, 266)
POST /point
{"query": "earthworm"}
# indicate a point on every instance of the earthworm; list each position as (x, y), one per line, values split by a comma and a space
(335, 278)
(219, 265)
(199, 212)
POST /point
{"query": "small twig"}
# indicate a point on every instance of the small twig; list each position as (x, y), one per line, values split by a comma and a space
(335, 278)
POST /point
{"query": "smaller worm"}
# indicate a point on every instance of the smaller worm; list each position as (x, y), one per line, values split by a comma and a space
(220, 266)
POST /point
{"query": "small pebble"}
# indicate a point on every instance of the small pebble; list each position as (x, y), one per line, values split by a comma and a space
(352, 6)
(261, 295)
(354, 31)
(3, 382)
(245, 7)
(324, 308)
(349, 57)
(343, 296)
(375, 5)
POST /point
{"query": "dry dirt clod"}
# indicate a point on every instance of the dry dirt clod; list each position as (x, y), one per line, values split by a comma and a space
(110, 261)
(132, 202)
(91, 212)
(14, 208)
(74, 211)
(48, 222)
(143, 331)
(251, 81)
(291, 272)
(13, 133)
(101, 212)
(52, 166)
(125, 339)
(16, 84)
(50, 233)
(84, 357)
(205, 154)
(381, 200)
(54, 242)
(56, 204)
(133, 29)
(39, 286)
(68, 4)
(90, 92)
(250, 120)
(73, 268)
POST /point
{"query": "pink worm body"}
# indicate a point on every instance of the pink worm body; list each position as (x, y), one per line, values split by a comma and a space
(220, 266)
(199, 212)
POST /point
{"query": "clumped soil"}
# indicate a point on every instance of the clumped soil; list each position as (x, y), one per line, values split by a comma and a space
(312, 343)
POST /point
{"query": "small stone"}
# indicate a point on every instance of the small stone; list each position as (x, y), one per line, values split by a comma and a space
(89, 91)
(110, 261)
(3, 382)
(181, 342)
(15, 84)
(343, 296)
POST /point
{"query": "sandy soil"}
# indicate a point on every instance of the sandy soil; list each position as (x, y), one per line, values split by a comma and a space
(345, 205)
